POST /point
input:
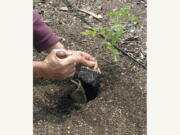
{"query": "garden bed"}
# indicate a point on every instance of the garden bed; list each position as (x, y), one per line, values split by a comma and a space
(120, 105)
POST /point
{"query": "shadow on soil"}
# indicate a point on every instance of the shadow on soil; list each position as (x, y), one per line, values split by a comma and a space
(65, 105)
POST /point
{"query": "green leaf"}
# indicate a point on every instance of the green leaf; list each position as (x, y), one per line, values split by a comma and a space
(134, 18)
(92, 33)
(117, 27)
(114, 32)
(116, 56)
(103, 31)
(125, 10)
(114, 14)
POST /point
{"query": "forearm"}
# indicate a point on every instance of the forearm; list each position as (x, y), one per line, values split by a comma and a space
(38, 69)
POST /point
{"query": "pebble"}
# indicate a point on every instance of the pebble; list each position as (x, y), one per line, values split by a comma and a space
(90, 17)
(50, 2)
(51, 89)
(115, 9)
(98, 2)
(142, 56)
(132, 31)
(62, 39)
(88, 8)
(74, 18)
(103, 109)
(99, 7)
(134, 23)
(122, 73)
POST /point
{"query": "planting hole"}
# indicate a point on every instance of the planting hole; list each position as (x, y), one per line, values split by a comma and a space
(90, 91)
(88, 82)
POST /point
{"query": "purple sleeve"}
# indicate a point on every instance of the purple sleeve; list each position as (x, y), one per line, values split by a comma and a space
(43, 37)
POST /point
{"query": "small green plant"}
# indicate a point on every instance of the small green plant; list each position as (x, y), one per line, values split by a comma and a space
(113, 33)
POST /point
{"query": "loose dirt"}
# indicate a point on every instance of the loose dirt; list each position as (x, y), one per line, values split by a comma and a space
(120, 106)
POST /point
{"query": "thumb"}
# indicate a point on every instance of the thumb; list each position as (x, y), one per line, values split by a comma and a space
(70, 60)
(61, 54)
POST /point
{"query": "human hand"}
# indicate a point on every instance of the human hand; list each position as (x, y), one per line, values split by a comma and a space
(82, 58)
(59, 67)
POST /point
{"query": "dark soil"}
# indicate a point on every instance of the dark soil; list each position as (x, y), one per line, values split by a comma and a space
(120, 106)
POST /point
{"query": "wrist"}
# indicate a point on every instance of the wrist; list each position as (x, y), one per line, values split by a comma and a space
(38, 69)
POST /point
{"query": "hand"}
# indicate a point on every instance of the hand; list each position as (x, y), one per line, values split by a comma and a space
(58, 68)
(82, 58)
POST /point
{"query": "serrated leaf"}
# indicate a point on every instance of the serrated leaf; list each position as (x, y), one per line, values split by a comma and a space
(125, 10)
(89, 32)
(134, 18)
(114, 32)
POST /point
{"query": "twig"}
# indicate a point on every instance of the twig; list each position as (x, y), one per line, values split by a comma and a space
(91, 13)
(98, 17)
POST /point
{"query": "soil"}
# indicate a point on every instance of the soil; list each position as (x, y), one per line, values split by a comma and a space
(120, 106)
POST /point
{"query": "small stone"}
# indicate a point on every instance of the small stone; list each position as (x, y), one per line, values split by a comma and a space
(103, 109)
(134, 23)
(90, 17)
(62, 39)
(142, 56)
(88, 8)
(98, 2)
(99, 7)
(132, 31)
(115, 9)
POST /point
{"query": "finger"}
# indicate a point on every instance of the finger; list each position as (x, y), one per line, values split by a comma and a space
(87, 56)
(95, 66)
(97, 69)
(86, 62)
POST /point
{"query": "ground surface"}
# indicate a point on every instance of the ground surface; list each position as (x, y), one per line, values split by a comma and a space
(120, 108)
